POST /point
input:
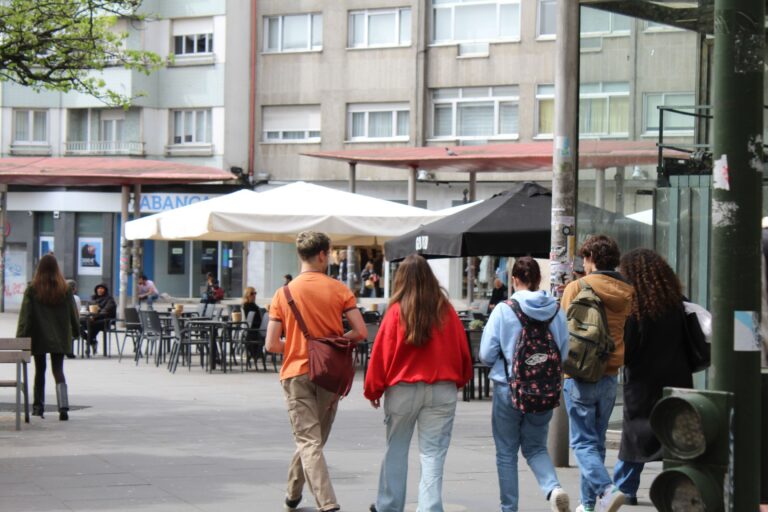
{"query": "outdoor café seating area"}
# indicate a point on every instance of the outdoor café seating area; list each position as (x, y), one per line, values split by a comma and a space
(218, 338)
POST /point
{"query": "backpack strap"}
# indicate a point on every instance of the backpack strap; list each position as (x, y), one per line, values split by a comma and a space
(296, 313)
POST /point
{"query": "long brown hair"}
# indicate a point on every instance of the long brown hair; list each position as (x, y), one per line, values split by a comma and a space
(657, 288)
(48, 283)
(421, 299)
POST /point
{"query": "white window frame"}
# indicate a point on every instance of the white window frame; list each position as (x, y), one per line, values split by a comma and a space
(452, 5)
(543, 96)
(278, 136)
(611, 32)
(539, 35)
(207, 121)
(368, 13)
(281, 18)
(649, 26)
(667, 130)
(394, 109)
(208, 44)
(461, 100)
(30, 113)
(607, 97)
(114, 122)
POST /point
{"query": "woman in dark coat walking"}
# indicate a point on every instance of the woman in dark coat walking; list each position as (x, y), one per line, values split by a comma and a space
(655, 357)
(48, 316)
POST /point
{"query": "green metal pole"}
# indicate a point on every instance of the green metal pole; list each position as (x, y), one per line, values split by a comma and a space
(736, 212)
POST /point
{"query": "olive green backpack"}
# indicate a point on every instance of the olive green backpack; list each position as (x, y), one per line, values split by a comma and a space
(589, 341)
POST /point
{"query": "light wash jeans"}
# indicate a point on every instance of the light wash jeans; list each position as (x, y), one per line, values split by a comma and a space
(626, 476)
(589, 408)
(513, 431)
(433, 408)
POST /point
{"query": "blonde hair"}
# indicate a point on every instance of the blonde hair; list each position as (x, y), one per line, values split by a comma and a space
(247, 293)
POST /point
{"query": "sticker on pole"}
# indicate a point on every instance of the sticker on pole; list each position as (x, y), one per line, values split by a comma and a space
(746, 337)
(722, 179)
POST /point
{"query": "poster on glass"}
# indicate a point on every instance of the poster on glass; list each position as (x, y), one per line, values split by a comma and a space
(46, 245)
(89, 260)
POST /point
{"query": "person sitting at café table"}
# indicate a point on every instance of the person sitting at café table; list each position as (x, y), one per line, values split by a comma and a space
(499, 294)
(107, 311)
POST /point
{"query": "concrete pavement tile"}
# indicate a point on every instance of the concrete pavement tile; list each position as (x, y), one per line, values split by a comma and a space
(33, 504)
(132, 505)
(110, 493)
(18, 489)
(81, 481)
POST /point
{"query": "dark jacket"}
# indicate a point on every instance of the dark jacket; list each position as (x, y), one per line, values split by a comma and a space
(253, 334)
(50, 327)
(654, 358)
(106, 303)
(497, 295)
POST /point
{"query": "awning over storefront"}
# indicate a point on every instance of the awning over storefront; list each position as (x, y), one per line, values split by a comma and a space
(593, 154)
(89, 171)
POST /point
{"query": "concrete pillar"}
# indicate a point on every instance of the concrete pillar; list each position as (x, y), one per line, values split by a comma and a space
(136, 248)
(124, 251)
(600, 188)
(412, 186)
(472, 186)
(351, 260)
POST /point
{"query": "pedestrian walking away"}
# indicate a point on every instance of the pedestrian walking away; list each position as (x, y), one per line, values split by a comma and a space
(589, 404)
(49, 318)
(526, 333)
(321, 301)
(654, 357)
(420, 357)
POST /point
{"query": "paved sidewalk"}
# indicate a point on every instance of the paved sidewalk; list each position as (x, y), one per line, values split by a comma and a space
(147, 440)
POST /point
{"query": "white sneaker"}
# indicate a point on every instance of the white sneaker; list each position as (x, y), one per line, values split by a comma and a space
(558, 500)
(581, 508)
(611, 500)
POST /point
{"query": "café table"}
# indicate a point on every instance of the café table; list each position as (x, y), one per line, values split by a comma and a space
(213, 327)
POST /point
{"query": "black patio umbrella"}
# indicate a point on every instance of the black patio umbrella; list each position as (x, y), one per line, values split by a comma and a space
(516, 222)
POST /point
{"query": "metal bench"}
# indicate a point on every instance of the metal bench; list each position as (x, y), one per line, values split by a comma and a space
(17, 351)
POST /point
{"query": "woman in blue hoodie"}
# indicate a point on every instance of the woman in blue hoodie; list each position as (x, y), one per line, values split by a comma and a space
(514, 429)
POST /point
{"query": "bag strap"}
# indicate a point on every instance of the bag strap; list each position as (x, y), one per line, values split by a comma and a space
(296, 312)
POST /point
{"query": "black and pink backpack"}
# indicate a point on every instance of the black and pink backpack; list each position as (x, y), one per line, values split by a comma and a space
(537, 365)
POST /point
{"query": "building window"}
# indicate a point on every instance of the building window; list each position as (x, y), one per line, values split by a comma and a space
(295, 123)
(547, 19)
(673, 122)
(378, 121)
(112, 130)
(30, 126)
(652, 26)
(192, 126)
(475, 20)
(379, 28)
(293, 33)
(595, 22)
(192, 44)
(545, 110)
(193, 36)
(604, 109)
(475, 113)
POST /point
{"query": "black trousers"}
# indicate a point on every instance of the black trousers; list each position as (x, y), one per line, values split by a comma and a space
(57, 368)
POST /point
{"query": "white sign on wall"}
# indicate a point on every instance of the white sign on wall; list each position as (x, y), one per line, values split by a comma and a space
(15, 278)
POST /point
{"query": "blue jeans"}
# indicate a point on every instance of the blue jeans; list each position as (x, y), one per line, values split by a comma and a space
(626, 476)
(512, 431)
(433, 407)
(589, 408)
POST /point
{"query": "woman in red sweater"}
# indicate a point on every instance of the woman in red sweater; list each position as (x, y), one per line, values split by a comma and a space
(419, 359)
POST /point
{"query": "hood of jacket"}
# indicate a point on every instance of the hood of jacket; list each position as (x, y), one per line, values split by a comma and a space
(614, 291)
(96, 294)
(538, 305)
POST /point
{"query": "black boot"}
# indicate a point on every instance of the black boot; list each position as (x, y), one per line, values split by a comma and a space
(63, 401)
(38, 401)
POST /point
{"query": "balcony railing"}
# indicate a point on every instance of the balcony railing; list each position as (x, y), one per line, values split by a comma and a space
(106, 147)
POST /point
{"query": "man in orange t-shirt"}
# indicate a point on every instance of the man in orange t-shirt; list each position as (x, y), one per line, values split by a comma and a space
(321, 301)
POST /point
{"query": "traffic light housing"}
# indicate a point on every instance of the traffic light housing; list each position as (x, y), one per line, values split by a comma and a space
(694, 428)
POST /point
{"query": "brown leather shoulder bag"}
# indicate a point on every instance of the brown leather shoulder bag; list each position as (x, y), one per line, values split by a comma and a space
(331, 358)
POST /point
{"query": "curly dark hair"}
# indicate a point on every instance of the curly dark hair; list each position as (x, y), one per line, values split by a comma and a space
(657, 288)
(602, 250)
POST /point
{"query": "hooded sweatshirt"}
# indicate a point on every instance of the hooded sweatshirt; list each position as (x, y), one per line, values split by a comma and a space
(106, 303)
(502, 332)
(616, 295)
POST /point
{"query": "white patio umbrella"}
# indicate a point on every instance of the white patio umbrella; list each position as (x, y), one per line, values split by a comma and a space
(278, 215)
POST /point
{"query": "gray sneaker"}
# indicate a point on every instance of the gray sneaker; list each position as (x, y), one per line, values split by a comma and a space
(610, 501)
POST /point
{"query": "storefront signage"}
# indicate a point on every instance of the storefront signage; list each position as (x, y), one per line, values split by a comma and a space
(162, 202)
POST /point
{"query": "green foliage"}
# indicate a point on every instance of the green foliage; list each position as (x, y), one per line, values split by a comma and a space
(476, 325)
(62, 45)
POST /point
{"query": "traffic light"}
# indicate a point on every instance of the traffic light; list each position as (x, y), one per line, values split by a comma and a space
(694, 428)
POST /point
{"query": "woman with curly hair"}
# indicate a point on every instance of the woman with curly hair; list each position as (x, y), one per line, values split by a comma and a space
(654, 358)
